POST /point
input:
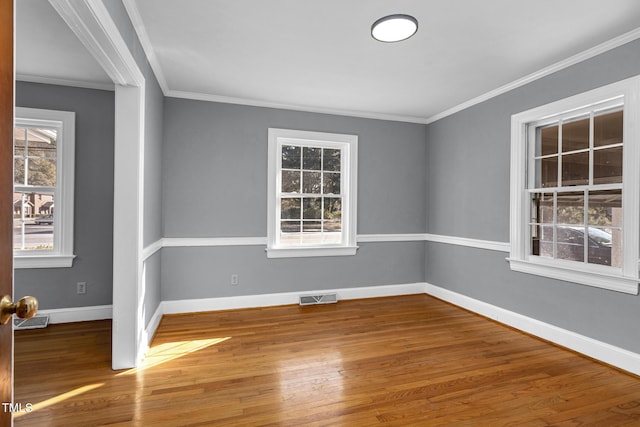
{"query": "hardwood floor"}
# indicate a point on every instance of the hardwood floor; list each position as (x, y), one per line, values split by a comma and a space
(400, 361)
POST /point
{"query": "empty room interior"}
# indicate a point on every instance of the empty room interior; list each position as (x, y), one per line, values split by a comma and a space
(327, 213)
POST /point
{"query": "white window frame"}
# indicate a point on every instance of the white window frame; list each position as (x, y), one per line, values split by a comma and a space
(625, 279)
(348, 144)
(62, 254)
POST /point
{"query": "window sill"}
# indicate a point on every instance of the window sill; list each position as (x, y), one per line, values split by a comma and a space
(585, 275)
(42, 261)
(311, 251)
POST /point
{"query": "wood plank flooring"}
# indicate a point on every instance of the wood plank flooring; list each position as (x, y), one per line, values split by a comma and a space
(399, 361)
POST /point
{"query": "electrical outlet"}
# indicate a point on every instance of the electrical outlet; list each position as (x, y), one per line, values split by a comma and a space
(81, 288)
(235, 279)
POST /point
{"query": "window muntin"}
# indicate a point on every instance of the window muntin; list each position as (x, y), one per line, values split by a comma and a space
(44, 152)
(312, 187)
(576, 187)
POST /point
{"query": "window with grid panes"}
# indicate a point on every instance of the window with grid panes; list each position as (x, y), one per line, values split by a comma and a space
(43, 158)
(574, 202)
(311, 193)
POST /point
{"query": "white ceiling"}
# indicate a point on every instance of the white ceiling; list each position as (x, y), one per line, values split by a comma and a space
(319, 56)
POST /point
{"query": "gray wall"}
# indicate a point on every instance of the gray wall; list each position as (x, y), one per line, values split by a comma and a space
(93, 230)
(214, 185)
(467, 190)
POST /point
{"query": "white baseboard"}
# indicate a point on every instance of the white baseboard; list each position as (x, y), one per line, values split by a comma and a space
(607, 353)
(78, 314)
(147, 335)
(598, 350)
(267, 300)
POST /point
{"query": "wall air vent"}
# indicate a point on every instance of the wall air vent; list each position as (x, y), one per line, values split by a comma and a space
(318, 299)
(36, 322)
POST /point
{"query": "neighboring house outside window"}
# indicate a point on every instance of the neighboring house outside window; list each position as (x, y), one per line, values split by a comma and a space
(44, 152)
(574, 188)
(312, 194)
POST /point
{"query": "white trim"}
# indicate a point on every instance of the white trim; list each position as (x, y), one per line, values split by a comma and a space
(154, 322)
(376, 238)
(589, 275)
(311, 251)
(65, 82)
(558, 66)
(310, 109)
(148, 333)
(148, 251)
(91, 22)
(472, 243)
(607, 353)
(145, 41)
(285, 298)
(128, 208)
(168, 242)
(43, 261)
(78, 314)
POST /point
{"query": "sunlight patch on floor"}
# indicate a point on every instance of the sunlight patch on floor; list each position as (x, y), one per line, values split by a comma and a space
(167, 352)
(59, 398)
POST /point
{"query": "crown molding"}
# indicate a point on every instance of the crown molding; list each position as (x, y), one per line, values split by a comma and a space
(29, 78)
(260, 103)
(91, 22)
(138, 25)
(558, 66)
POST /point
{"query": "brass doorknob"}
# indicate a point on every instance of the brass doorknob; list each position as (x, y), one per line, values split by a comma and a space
(25, 308)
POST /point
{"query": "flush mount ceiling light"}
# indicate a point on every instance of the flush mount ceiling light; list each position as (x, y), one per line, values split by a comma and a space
(394, 28)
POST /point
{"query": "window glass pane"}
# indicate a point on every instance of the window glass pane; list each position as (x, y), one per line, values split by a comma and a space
(605, 246)
(332, 208)
(575, 169)
(290, 157)
(331, 183)
(18, 171)
(570, 208)
(311, 226)
(548, 141)
(332, 226)
(42, 172)
(290, 226)
(312, 158)
(290, 181)
(290, 208)
(575, 135)
(42, 143)
(547, 172)
(605, 208)
(542, 208)
(312, 208)
(33, 216)
(607, 129)
(542, 240)
(570, 243)
(311, 182)
(331, 159)
(19, 141)
(607, 166)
